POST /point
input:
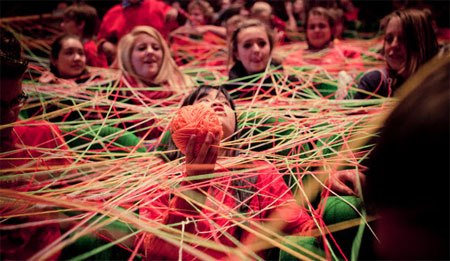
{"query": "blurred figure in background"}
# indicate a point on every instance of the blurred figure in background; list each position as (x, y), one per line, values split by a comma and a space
(82, 20)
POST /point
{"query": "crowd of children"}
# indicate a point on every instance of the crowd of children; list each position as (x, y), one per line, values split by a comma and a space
(143, 41)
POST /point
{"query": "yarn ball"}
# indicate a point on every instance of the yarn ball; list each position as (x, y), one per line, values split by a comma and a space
(197, 119)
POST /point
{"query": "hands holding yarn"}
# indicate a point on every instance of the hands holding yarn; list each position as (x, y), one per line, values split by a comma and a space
(205, 161)
(197, 131)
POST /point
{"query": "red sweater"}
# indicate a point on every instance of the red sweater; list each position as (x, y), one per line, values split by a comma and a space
(93, 58)
(119, 21)
(269, 193)
(33, 148)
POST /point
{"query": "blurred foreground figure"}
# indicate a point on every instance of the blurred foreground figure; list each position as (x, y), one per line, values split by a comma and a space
(408, 173)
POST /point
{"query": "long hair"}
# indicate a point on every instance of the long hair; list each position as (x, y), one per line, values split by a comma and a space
(419, 37)
(233, 44)
(194, 96)
(168, 73)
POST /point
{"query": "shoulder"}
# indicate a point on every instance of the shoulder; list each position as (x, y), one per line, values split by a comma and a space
(37, 132)
(372, 77)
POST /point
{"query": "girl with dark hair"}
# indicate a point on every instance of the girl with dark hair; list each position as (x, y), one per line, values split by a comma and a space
(322, 49)
(82, 20)
(409, 42)
(257, 194)
(250, 54)
(67, 61)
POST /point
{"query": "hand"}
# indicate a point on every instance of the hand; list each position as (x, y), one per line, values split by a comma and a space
(288, 7)
(171, 15)
(47, 77)
(345, 182)
(205, 161)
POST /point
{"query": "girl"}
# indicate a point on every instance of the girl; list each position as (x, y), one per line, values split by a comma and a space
(409, 42)
(319, 28)
(82, 20)
(67, 61)
(145, 60)
(250, 51)
(231, 192)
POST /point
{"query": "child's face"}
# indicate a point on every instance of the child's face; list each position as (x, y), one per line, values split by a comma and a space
(318, 31)
(146, 57)
(71, 60)
(222, 107)
(253, 49)
(394, 45)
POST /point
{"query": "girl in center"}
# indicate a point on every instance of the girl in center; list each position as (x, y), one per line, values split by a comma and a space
(258, 195)
(250, 53)
(150, 75)
(145, 61)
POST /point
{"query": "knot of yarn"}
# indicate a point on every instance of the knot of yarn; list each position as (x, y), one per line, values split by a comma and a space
(197, 119)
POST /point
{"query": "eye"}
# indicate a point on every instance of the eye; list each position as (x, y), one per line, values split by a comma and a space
(204, 99)
(156, 47)
(262, 43)
(388, 38)
(247, 45)
(141, 47)
(69, 52)
(322, 26)
(224, 101)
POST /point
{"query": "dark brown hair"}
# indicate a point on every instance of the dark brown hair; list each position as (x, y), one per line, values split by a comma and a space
(83, 13)
(419, 37)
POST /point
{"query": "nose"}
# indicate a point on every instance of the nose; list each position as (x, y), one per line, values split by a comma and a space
(255, 47)
(150, 49)
(77, 56)
(395, 42)
(216, 103)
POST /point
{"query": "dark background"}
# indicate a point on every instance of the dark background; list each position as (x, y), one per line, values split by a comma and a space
(370, 10)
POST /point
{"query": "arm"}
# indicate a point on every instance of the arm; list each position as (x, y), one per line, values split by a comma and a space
(347, 182)
(179, 207)
(291, 24)
(371, 82)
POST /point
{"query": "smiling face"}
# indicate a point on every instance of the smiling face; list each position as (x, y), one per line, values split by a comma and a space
(222, 107)
(253, 49)
(318, 32)
(394, 45)
(71, 60)
(146, 57)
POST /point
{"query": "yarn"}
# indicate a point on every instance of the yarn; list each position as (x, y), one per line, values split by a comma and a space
(197, 119)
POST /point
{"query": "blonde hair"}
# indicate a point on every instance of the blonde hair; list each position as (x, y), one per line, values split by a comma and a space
(168, 73)
(259, 7)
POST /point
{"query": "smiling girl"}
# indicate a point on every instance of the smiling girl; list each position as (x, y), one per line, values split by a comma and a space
(223, 189)
(409, 42)
(145, 60)
(67, 61)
